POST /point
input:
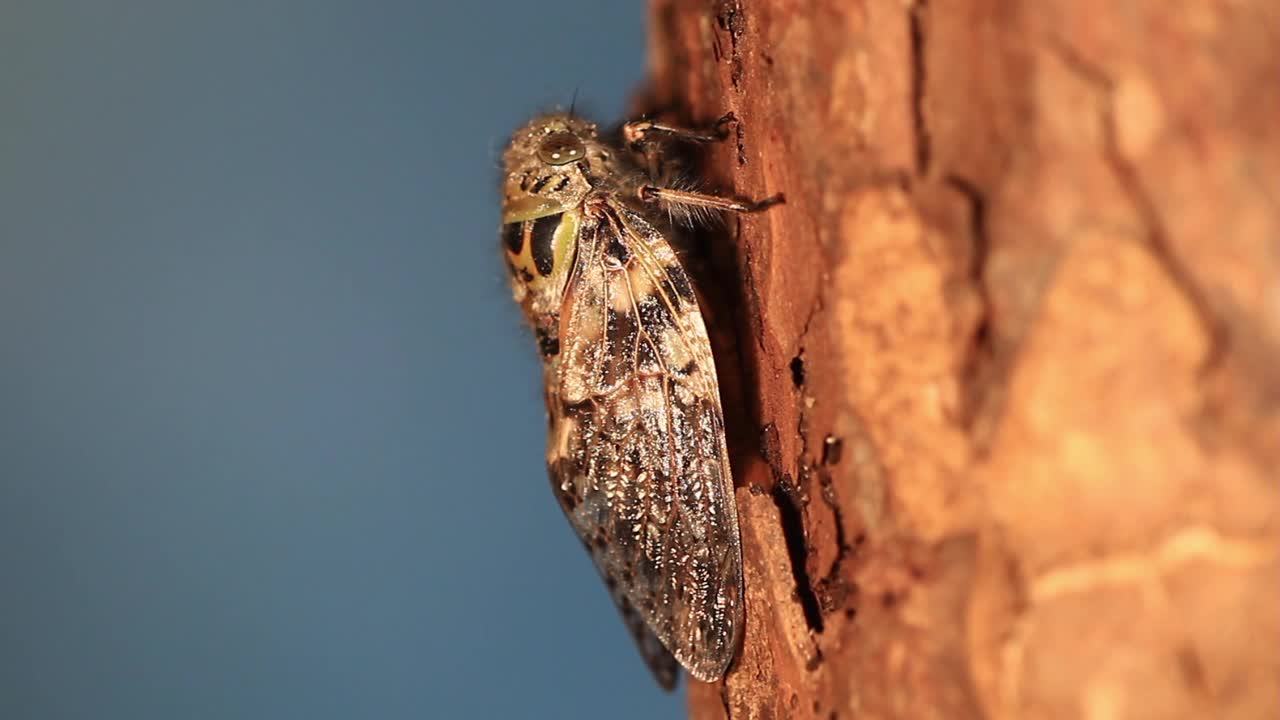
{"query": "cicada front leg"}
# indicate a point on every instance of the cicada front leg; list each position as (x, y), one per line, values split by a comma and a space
(647, 138)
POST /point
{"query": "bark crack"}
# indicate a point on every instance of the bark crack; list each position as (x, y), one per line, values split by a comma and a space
(1155, 236)
(1197, 543)
(733, 20)
(790, 499)
(979, 369)
(815, 595)
(916, 20)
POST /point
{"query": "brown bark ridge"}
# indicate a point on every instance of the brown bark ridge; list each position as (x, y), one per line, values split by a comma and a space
(1010, 353)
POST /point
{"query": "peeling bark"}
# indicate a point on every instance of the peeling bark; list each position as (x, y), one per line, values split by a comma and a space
(1003, 374)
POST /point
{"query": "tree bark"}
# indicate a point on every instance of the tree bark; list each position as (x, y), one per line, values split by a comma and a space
(1008, 438)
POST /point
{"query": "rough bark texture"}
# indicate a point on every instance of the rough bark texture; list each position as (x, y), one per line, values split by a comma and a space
(1009, 354)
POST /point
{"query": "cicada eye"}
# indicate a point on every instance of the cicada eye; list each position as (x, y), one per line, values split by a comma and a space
(561, 148)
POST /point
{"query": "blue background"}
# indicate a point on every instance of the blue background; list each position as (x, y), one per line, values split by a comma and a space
(270, 426)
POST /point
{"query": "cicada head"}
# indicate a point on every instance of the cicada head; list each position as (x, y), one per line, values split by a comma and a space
(550, 165)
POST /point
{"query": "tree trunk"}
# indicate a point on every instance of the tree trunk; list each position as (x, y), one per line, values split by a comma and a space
(1009, 354)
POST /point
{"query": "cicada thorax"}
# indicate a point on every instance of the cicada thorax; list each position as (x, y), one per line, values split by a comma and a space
(540, 253)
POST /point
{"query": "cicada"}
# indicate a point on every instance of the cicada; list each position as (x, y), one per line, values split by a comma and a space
(636, 443)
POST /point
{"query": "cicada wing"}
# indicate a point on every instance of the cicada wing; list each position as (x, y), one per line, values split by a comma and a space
(637, 449)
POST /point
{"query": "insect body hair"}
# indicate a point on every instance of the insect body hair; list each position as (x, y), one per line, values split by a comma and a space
(688, 215)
